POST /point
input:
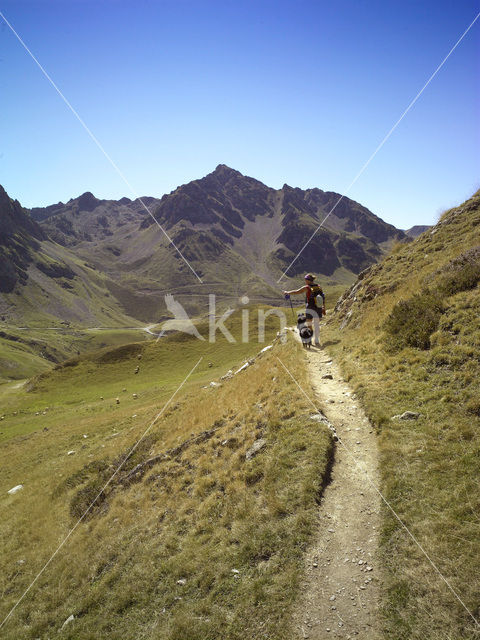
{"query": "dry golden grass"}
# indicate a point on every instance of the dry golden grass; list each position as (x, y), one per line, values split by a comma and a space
(429, 465)
(234, 530)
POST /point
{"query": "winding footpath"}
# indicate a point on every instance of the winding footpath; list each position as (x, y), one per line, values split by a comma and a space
(340, 593)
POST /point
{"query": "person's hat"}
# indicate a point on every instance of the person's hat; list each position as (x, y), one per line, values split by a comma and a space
(308, 276)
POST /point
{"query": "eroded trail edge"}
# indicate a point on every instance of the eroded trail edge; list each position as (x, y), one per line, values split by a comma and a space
(340, 593)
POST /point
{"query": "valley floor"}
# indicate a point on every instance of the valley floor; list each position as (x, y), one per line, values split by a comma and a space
(340, 593)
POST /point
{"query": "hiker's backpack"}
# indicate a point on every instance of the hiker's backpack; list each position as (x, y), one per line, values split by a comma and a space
(313, 291)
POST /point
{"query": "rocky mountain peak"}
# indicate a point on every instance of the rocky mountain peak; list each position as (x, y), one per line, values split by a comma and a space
(225, 169)
(87, 202)
(4, 199)
(223, 174)
(14, 218)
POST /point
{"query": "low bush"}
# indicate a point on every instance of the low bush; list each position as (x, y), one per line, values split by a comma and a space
(412, 322)
(463, 279)
(473, 407)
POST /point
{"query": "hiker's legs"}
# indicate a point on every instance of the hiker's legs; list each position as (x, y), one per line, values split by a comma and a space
(316, 330)
(309, 318)
(313, 322)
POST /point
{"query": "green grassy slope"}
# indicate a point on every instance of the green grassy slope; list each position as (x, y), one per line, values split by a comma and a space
(61, 287)
(408, 336)
(198, 543)
(27, 352)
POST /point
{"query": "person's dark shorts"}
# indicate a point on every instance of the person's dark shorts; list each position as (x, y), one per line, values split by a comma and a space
(313, 312)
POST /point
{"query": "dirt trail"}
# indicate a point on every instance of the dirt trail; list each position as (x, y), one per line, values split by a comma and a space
(340, 593)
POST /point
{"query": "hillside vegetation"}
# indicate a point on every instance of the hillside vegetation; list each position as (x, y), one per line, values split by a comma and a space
(408, 336)
(194, 538)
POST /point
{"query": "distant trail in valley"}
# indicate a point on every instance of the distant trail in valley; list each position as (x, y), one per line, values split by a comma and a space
(149, 328)
(340, 593)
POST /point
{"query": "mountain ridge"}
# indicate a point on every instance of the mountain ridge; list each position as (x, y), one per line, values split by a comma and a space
(224, 201)
(234, 231)
(417, 230)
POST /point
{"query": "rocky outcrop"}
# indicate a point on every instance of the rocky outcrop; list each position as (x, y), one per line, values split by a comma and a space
(19, 237)
(14, 219)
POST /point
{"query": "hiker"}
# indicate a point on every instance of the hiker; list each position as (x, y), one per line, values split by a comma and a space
(312, 311)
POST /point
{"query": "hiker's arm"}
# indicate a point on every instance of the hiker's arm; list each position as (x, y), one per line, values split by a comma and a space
(292, 293)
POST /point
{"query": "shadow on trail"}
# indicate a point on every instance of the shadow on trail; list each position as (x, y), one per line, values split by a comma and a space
(327, 477)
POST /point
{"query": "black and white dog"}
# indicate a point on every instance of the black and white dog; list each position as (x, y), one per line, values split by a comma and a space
(304, 330)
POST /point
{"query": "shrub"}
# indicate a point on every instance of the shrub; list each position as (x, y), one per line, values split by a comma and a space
(87, 500)
(95, 468)
(460, 274)
(412, 321)
(474, 407)
(463, 279)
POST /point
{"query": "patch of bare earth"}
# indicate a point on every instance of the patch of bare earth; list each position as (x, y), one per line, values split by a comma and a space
(340, 593)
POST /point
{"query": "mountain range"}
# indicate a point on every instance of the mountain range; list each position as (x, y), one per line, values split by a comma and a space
(417, 230)
(109, 262)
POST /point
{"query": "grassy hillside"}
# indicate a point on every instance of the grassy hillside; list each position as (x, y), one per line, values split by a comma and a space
(31, 347)
(28, 352)
(408, 336)
(190, 539)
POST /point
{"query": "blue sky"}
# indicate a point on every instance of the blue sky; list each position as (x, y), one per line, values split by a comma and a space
(297, 92)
